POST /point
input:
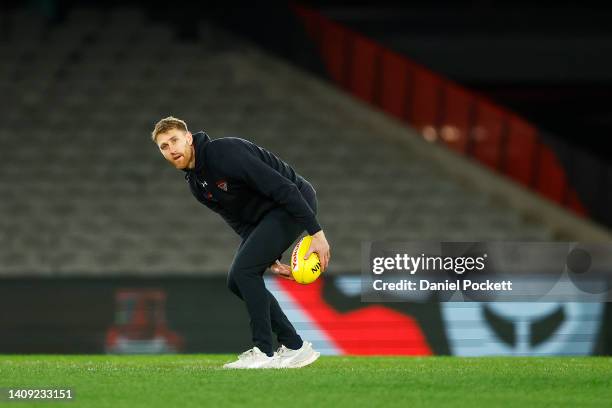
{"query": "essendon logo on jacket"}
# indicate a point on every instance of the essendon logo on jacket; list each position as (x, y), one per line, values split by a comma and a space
(222, 184)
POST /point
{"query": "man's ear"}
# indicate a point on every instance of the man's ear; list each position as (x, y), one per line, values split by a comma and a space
(189, 138)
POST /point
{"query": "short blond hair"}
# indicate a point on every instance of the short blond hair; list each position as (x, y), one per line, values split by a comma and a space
(167, 124)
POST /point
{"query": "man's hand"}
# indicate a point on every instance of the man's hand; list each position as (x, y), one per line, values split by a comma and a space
(321, 247)
(282, 270)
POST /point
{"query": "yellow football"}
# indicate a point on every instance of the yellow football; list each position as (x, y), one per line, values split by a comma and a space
(305, 271)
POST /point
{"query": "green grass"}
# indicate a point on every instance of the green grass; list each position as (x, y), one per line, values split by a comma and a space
(199, 381)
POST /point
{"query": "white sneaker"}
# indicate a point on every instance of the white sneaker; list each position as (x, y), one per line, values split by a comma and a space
(288, 358)
(253, 358)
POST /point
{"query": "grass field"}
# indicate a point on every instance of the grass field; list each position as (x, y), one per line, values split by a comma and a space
(199, 380)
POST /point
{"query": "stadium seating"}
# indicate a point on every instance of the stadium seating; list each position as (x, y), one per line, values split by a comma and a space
(85, 191)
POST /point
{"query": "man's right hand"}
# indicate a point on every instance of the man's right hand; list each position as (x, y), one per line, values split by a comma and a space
(282, 270)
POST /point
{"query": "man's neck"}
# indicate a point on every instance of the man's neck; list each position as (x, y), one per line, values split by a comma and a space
(191, 164)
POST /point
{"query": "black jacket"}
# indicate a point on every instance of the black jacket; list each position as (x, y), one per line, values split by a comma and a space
(242, 181)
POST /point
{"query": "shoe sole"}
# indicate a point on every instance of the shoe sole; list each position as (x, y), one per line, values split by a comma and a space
(306, 362)
(247, 367)
(315, 356)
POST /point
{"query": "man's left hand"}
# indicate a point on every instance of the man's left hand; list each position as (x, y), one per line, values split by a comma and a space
(321, 247)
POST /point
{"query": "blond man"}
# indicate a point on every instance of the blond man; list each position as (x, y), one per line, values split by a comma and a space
(269, 205)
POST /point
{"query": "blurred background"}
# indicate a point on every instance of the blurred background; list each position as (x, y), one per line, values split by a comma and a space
(440, 121)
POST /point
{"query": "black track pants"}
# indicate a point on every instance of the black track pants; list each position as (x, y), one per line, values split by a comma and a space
(275, 232)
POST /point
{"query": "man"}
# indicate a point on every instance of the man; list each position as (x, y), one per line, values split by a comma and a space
(269, 205)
